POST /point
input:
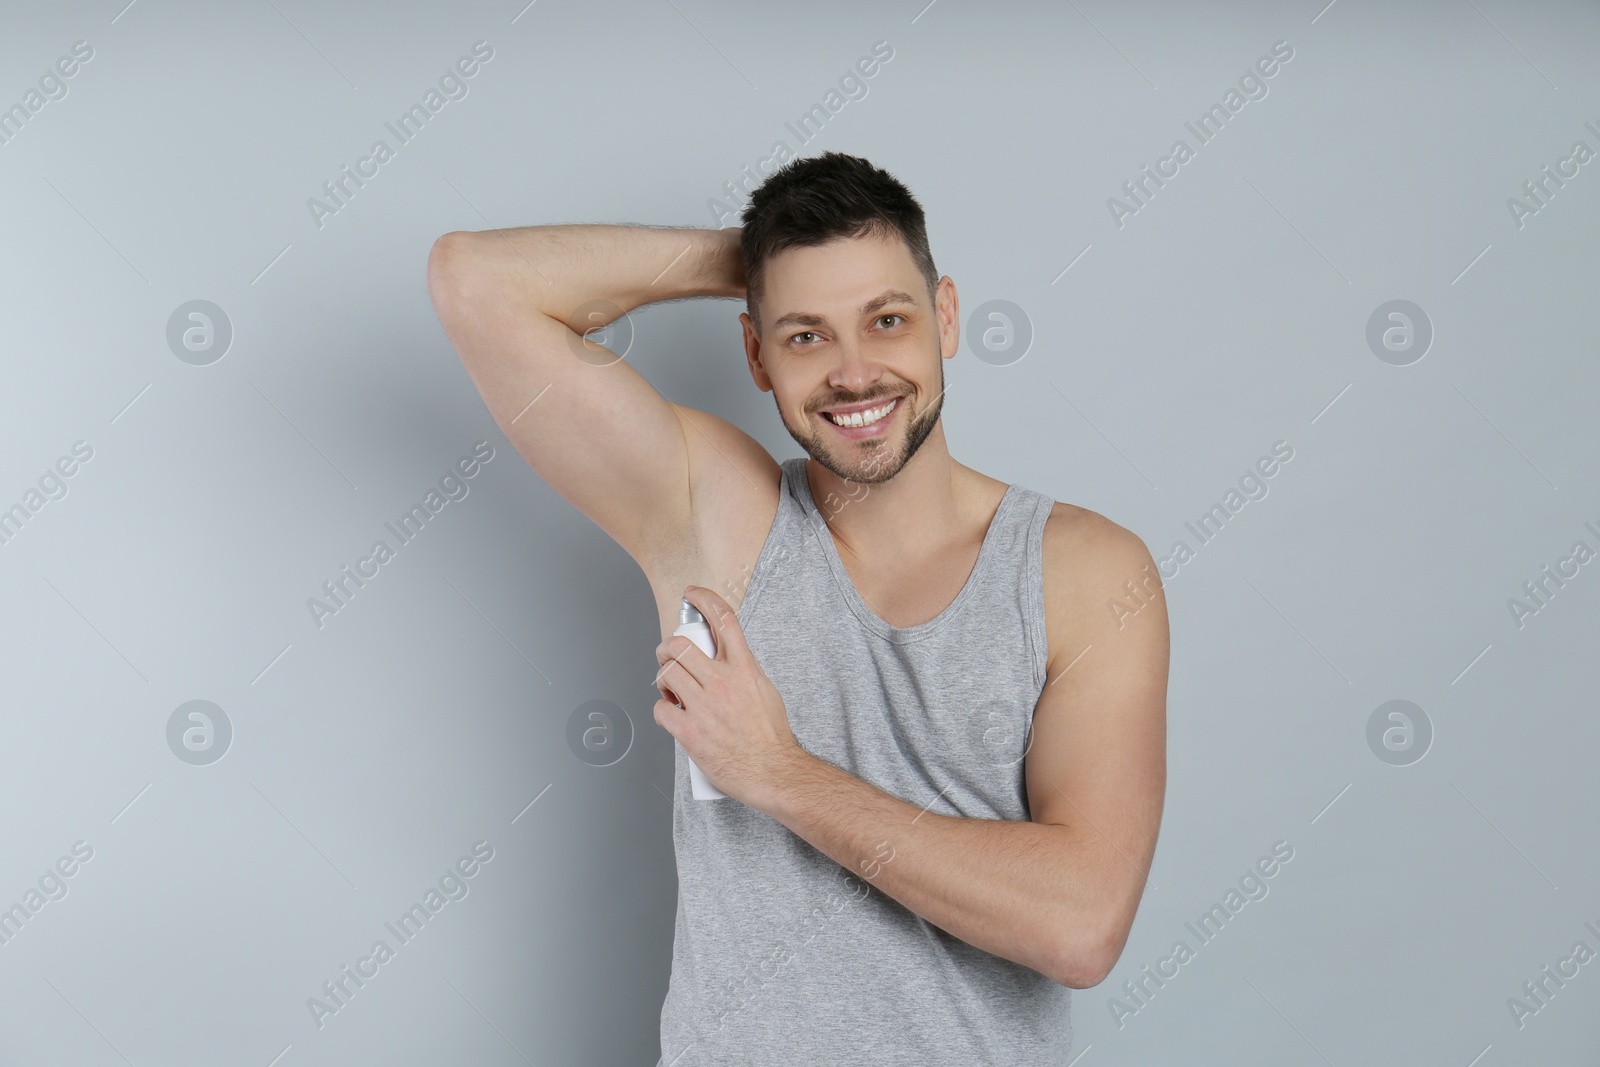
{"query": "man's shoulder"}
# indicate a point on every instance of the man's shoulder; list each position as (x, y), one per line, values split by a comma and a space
(1079, 536)
(1089, 561)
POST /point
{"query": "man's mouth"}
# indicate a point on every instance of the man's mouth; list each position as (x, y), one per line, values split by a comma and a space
(860, 418)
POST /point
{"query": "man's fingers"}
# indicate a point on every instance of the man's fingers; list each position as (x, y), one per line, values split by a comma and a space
(685, 684)
(668, 716)
(666, 656)
(722, 619)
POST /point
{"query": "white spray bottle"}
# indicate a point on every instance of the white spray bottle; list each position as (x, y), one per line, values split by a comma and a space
(693, 625)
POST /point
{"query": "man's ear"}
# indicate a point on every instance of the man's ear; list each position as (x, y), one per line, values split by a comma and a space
(948, 308)
(752, 353)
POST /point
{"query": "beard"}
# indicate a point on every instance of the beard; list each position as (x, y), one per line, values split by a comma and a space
(875, 460)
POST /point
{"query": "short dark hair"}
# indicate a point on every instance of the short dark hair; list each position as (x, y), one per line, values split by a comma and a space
(817, 199)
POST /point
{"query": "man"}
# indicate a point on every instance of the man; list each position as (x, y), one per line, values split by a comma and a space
(938, 700)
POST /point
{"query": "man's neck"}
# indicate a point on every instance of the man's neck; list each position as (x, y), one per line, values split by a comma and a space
(913, 513)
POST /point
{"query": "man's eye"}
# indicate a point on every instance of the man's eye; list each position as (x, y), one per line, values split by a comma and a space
(803, 333)
(882, 317)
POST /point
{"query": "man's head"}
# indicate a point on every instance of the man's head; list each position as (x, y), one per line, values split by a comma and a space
(846, 309)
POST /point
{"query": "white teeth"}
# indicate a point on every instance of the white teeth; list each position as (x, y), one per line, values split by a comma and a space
(863, 418)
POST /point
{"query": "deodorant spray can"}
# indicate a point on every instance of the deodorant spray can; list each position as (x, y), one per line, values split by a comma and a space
(693, 625)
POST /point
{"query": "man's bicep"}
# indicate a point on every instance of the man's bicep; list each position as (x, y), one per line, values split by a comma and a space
(589, 423)
(1097, 759)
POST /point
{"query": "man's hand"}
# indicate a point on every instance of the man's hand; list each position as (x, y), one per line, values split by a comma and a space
(727, 714)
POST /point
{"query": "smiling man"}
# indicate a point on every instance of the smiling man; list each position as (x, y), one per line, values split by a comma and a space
(938, 701)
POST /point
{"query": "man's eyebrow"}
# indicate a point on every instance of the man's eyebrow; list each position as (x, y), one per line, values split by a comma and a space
(797, 318)
(892, 296)
(877, 303)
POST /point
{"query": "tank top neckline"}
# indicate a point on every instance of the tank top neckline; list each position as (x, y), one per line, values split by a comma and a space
(795, 472)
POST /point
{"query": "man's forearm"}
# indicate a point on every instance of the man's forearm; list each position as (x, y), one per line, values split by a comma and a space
(560, 269)
(1025, 891)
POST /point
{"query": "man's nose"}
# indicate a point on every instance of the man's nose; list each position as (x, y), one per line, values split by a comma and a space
(854, 373)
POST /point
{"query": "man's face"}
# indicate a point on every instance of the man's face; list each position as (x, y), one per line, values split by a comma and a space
(848, 323)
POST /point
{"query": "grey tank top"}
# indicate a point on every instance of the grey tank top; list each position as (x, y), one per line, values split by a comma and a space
(782, 956)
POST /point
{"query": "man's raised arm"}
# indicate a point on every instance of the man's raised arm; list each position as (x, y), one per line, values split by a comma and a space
(515, 304)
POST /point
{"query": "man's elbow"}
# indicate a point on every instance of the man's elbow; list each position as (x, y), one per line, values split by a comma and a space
(1084, 962)
(444, 263)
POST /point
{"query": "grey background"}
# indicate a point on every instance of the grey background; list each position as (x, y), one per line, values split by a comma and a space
(431, 713)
